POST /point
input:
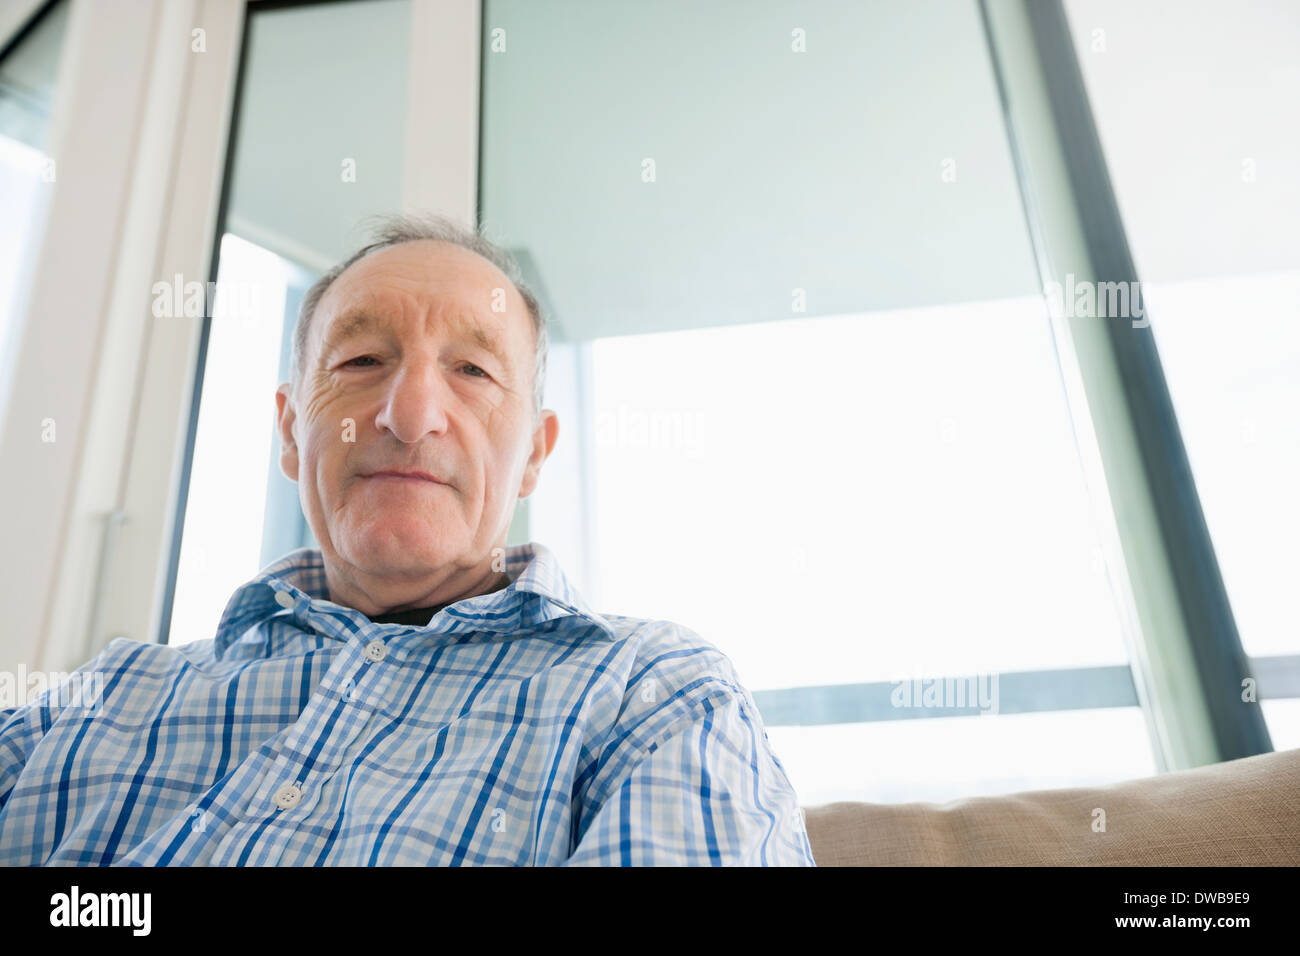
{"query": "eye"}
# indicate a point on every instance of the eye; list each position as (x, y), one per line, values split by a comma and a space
(360, 358)
(477, 369)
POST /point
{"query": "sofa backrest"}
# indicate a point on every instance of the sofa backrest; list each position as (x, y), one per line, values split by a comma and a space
(1241, 813)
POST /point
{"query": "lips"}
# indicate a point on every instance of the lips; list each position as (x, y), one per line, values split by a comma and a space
(421, 476)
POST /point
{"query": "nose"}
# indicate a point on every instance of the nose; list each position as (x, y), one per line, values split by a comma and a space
(416, 403)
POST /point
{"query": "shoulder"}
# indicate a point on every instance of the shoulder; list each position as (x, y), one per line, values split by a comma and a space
(124, 650)
(674, 677)
(672, 655)
(135, 667)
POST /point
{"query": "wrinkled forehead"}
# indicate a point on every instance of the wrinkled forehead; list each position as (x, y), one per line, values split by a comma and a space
(461, 292)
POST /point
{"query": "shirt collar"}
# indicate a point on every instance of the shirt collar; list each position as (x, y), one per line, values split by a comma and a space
(538, 592)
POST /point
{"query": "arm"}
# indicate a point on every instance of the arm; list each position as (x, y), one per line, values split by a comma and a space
(17, 737)
(23, 728)
(706, 791)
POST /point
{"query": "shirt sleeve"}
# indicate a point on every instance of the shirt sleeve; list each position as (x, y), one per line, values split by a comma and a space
(707, 791)
(19, 733)
(12, 753)
(23, 728)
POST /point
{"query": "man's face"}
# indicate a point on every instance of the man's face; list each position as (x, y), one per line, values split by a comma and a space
(409, 368)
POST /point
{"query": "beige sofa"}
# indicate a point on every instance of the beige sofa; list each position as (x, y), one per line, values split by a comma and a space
(1239, 813)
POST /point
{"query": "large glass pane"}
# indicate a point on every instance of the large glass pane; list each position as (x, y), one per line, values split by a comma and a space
(809, 398)
(228, 495)
(1194, 108)
(861, 498)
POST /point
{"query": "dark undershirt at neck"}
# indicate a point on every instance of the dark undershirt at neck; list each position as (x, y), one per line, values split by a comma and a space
(421, 616)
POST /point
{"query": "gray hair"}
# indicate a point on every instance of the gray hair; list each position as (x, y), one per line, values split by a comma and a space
(392, 230)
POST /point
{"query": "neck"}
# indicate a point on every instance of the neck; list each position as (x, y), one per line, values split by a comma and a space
(380, 594)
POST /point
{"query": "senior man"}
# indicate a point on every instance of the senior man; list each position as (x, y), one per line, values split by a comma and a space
(413, 691)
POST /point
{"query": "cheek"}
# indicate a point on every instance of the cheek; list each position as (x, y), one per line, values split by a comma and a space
(325, 459)
(503, 471)
(316, 399)
(332, 432)
(327, 411)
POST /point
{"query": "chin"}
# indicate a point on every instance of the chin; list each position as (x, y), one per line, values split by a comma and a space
(404, 546)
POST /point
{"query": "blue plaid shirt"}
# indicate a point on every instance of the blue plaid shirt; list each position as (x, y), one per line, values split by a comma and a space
(517, 727)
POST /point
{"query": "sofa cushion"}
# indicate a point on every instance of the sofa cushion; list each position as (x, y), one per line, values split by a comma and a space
(1241, 813)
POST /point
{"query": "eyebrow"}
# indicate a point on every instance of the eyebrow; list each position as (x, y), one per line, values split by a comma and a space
(360, 320)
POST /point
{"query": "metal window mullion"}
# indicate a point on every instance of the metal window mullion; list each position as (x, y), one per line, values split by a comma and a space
(1211, 628)
(1184, 642)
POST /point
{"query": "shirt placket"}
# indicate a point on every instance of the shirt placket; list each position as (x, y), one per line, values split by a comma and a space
(339, 710)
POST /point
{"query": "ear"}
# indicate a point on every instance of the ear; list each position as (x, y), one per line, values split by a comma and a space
(285, 417)
(543, 443)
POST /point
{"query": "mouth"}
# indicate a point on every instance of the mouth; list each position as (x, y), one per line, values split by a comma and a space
(408, 477)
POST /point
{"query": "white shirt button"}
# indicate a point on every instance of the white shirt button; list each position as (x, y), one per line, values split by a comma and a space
(376, 650)
(284, 599)
(287, 796)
